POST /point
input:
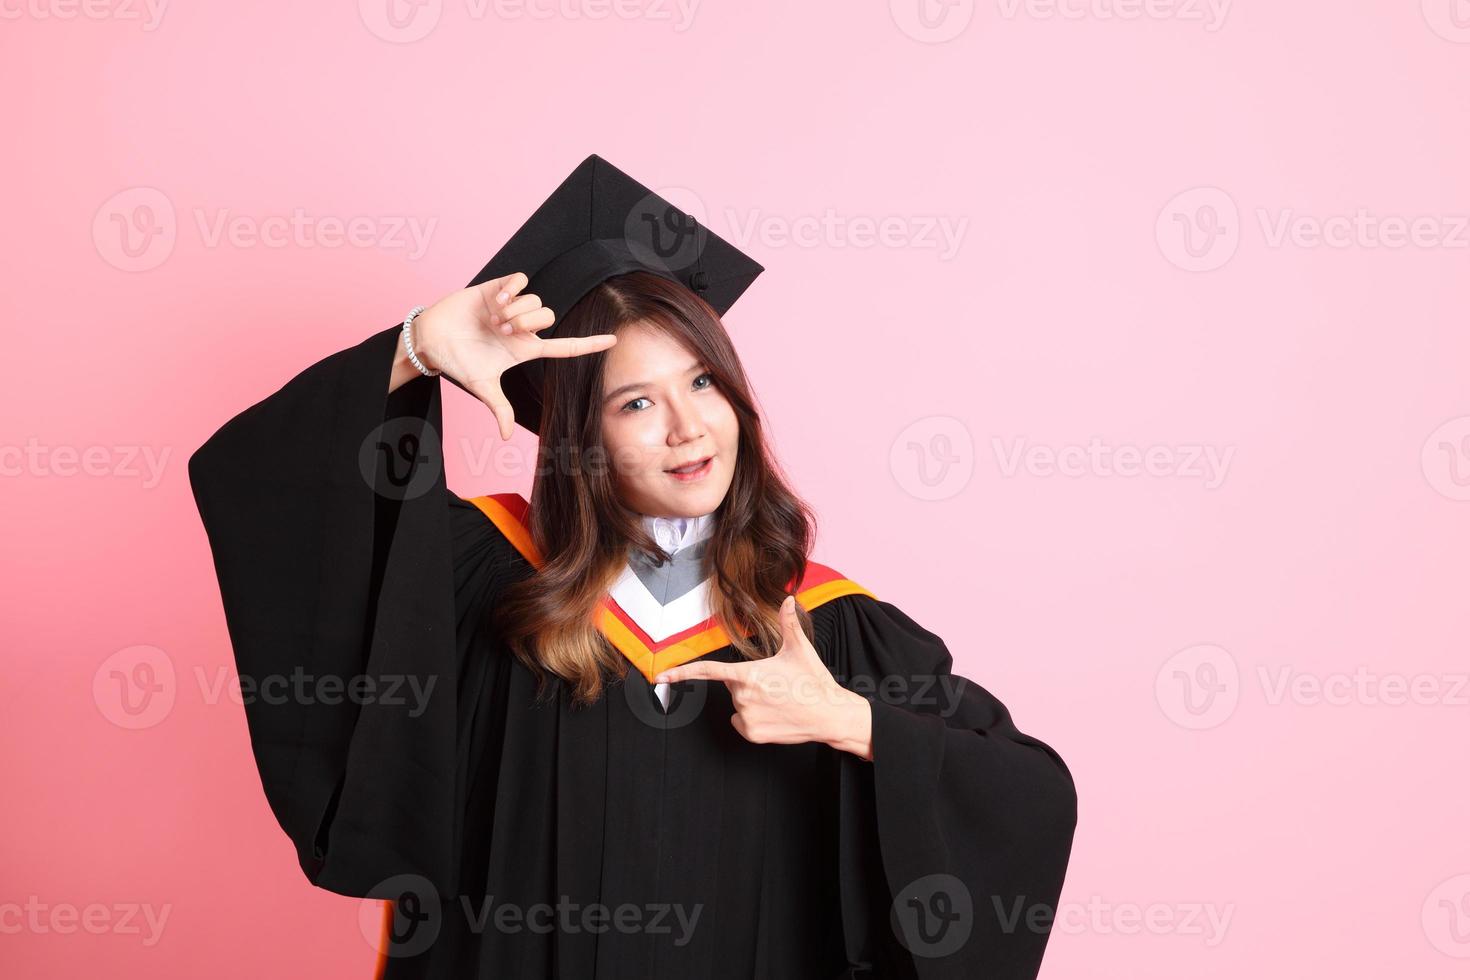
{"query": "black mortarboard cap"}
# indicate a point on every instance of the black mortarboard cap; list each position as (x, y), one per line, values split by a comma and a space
(598, 224)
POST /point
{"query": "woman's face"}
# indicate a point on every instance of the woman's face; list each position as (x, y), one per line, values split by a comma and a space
(661, 411)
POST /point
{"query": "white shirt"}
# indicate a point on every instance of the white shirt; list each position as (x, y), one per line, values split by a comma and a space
(673, 534)
(676, 533)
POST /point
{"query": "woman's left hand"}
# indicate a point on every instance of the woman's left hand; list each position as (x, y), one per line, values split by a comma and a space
(790, 697)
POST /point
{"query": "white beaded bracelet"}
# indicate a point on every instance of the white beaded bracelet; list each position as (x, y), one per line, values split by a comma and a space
(408, 344)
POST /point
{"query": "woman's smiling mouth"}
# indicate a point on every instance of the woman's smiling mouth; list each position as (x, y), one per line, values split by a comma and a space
(694, 471)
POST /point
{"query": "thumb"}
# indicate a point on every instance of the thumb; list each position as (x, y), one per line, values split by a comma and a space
(494, 399)
(791, 635)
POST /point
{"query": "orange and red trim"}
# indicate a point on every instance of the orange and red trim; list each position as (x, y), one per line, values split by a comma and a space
(508, 511)
(385, 938)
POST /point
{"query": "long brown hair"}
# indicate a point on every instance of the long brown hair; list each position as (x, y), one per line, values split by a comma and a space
(762, 531)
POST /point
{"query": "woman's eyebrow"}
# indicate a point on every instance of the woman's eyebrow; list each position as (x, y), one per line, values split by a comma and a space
(623, 389)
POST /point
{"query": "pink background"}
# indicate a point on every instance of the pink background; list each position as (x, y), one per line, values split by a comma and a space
(1256, 671)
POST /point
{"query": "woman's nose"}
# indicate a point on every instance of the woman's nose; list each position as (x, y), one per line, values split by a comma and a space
(685, 422)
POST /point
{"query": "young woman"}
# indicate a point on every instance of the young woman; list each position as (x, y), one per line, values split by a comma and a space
(627, 728)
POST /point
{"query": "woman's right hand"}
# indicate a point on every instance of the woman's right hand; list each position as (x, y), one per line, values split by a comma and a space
(475, 334)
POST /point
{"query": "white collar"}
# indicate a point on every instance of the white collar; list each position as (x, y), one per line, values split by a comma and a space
(673, 534)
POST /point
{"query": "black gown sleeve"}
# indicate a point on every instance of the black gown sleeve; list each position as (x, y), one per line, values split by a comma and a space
(353, 584)
(954, 839)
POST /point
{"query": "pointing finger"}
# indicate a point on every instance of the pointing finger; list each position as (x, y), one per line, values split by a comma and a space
(576, 346)
(700, 670)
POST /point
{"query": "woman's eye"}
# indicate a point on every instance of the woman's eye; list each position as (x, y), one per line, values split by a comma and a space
(706, 377)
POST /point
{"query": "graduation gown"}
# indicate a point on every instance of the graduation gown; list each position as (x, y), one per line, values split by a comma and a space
(403, 750)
